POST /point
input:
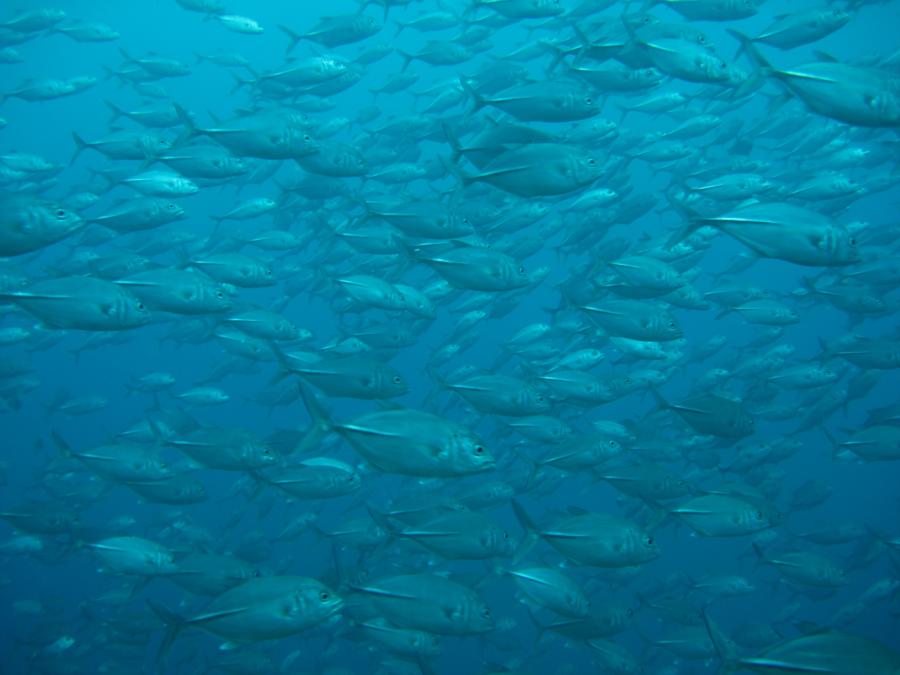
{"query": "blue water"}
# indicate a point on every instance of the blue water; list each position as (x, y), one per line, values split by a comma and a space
(62, 590)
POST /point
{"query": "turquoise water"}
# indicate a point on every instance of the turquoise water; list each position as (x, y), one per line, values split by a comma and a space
(70, 605)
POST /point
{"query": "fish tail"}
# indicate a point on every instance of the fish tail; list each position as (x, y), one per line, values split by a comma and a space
(746, 45)
(64, 448)
(835, 446)
(723, 646)
(383, 522)
(286, 368)
(80, 144)
(321, 420)
(531, 534)
(174, 625)
(110, 73)
(541, 628)
(558, 55)
(239, 82)
(477, 98)
(694, 220)
(190, 129)
(522, 516)
(407, 59)
(293, 38)
(463, 179)
(116, 111)
(585, 45)
(453, 140)
(661, 402)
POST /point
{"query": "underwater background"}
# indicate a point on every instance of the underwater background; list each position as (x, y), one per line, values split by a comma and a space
(755, 442)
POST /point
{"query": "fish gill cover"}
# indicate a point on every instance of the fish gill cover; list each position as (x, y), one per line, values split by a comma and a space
(461, 336)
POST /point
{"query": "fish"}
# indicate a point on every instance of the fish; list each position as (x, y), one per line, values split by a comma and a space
(412, 336)
(30, 224)
(853, 94)
(81, 303)
(259, 609)
(430, 603)
(405, 441)
(594, 539)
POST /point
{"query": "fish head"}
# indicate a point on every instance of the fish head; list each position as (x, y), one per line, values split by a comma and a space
(424, 644)
(349, 480)
(480, 617)
(577, 603)
(670, 327)
(833, 18)
(715, 69)
(588, 168)
(312, 602)
(391, 383)
(647, 548)
(741, 585)
(52, 217)
(260, 453)
(131, 312)
(498, 541)
(216, 298)
(649, 76)
(469, 452)
(604, 447)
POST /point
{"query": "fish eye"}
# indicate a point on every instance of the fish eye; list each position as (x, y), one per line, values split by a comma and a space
(479, 450)
(648, 540)
(220, 294)
(611, 444)
(140, 306)
(486, 613)
(592, 161)
(60, 213)
(170, 206)
(521, 270)
(671, 324)
(324, 596)
(397, 379)
(589, 100)
(852, 241)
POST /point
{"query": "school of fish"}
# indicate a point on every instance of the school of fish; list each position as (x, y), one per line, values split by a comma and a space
(450, 336)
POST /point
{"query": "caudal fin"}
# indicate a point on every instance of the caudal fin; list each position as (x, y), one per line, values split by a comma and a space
(723, 646)
(174, 625)
(321, 420)
(293, 38)
(531, 532)
(80, 144)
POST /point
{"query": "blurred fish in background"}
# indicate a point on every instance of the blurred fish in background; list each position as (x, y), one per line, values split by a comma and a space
(450, 336)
